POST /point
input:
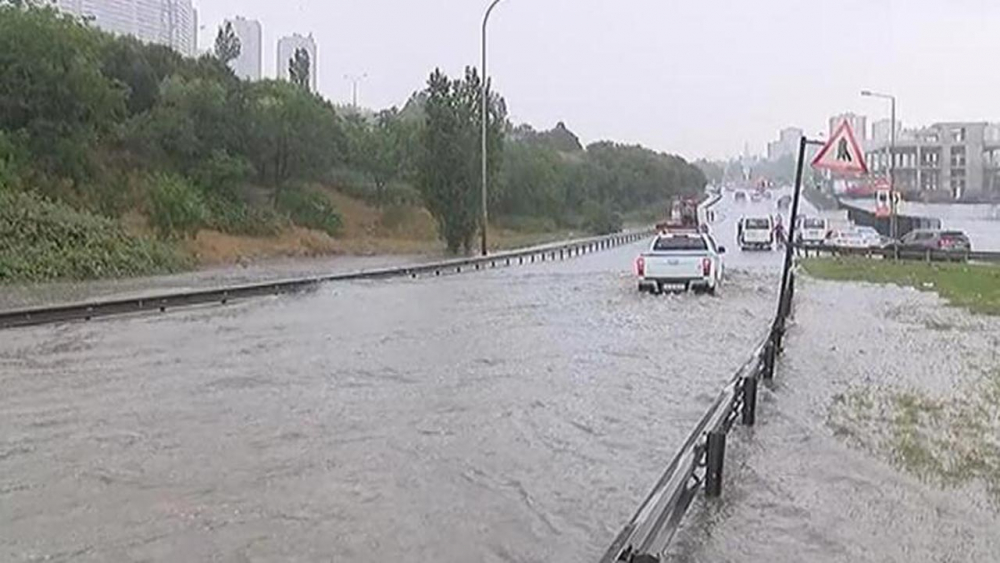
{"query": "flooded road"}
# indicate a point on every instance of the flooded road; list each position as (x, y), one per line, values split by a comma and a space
(514, 415)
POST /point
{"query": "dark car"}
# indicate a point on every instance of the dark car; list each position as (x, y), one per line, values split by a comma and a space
(933, 239)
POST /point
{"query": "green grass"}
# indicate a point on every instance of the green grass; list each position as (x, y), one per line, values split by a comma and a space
(972, 286)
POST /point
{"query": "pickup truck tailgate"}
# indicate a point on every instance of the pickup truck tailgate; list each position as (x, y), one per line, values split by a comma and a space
(674, 266)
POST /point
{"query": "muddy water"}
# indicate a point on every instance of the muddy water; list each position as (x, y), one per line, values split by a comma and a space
(878, 441)
(515, 415)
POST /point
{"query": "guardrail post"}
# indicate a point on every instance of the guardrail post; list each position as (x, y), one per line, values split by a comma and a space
(791, 294)
(770, 351)
(715, 458)
(749, 401)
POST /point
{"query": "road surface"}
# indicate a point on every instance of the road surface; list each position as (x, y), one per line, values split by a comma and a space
(513, 415)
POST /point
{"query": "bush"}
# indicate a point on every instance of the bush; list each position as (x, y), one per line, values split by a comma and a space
(42, 240)
(601, 219)
(221, 174)
(310, 209)
(238, 218)
(176, 207)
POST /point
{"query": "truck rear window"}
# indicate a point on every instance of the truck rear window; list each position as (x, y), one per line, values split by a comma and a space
(758, 224)
(680, 243)
(813, 224)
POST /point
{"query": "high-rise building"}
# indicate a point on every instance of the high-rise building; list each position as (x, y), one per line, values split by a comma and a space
(859, 124)
(167, 22)
(287, 46)
(248, 65)
(787, 143)
(882, 131)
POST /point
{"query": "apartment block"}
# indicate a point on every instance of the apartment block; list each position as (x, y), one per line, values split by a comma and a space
(958, 160)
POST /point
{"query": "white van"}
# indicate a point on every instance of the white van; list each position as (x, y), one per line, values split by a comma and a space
(755, 233)
(811, 231)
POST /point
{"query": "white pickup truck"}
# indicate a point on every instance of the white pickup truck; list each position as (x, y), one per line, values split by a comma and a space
(681, 261)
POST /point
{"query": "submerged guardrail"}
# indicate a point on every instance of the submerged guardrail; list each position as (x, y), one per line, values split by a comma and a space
(699, 463)
(222, 295)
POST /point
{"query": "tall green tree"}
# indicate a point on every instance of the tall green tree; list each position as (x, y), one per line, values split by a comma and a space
(449, 172)
(299, 69)
(227, 44)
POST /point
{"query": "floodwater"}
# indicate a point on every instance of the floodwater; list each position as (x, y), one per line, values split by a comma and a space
(37, 295)
(878, 442)
(520, 414)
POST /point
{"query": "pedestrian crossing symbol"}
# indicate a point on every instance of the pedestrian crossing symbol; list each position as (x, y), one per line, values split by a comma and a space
(842, 153)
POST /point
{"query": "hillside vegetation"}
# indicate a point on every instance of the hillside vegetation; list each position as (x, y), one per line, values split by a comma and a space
(118, 157)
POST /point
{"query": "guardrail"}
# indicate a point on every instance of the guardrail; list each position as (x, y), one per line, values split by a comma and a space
(898, 253)
(701, 459)
(222, 295)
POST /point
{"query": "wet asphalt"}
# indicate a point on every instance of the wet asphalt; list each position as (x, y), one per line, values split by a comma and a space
(513, 415)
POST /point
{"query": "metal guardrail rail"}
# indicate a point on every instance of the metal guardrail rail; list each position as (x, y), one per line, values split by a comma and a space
(222, 295)
(927, 255)
(700, 460)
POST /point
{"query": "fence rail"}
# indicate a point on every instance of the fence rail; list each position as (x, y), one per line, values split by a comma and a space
(701, 459)
(927, 255)
(222, 295)
(699, 463)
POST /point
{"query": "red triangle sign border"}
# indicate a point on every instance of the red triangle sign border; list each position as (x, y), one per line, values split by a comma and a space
(844, 130)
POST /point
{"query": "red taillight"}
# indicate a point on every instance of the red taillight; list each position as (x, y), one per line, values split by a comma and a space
(640, 266)
(706, 266)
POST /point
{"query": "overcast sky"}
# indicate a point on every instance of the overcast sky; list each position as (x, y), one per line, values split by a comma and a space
(696, 77)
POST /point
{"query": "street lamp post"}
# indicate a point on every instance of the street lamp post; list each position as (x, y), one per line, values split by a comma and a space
(355, 79)
(893, 229)
(484, 94)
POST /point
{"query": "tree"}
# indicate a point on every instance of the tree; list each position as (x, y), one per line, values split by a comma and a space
(227, 44)
(299, 68)
(52, 90)
(449, 172)
(382, 149)
(294, 135)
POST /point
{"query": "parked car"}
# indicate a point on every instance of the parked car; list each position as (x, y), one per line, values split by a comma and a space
(784, 202)
(681, 261)
(740, 197)
(934, 239)
(872, 238)
(848, 238)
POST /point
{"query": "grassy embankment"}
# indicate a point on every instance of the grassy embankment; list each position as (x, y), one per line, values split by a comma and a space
(46, 240)
(972, 286)
(947, 440)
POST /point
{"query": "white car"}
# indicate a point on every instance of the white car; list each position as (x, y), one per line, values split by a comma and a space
(681, 261)
(847, 239)
(871, 237)
(755, 233)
